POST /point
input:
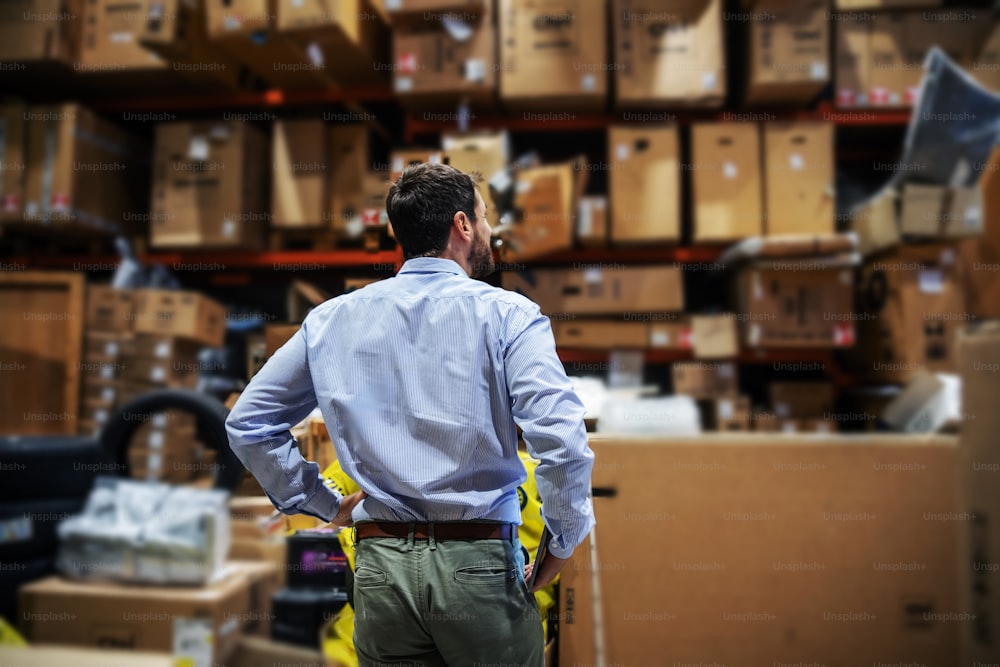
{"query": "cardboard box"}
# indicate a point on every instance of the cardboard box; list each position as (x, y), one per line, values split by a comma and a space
(799, 178)
(886, 79)
(876, 222)
(486, 153)
(726, 414)
(434, 69)
(748, 565)
(52, 34)
(143, 618)
(726, 181)
(981, 256)
(978, 467)
(553, 54)
(348, 155)
(700, 379)
(670, 335)
(601, 291)
(601, 334)
(959, 33)
(852, 59)
(160, 466)
(934, 212)
(13, 169)
(260, 652)
(209, 185)
(226, 17)
(802, 399)
(401, 159)
(164, 347)
(789, 54)
(546, 202)
(111, 35)
(298, 187)
(592, 221)
(110, 310)
(911, 308)
(173, 373)
(644, 184)
(715, 336)
(401, 8)
(669, 53)
(81, 169)
(187, 315)
(276, 335)
(807, 307)
(102, 371)
(55, 656)
(103, 346)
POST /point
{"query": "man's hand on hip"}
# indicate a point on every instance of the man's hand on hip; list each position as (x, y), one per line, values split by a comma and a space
(347, 505)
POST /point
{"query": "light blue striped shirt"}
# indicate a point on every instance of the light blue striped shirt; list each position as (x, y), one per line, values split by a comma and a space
(420, 379)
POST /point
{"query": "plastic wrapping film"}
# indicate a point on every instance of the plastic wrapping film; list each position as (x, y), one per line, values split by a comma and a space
(142, 532)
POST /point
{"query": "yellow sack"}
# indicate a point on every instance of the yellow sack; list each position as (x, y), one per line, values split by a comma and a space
(339, 641)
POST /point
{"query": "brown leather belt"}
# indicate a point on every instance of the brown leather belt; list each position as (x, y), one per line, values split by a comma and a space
(457, 530)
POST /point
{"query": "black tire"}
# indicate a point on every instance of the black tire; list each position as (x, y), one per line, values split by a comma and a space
(209, 413)
(40, 518)
(15, 575)
(40, 467)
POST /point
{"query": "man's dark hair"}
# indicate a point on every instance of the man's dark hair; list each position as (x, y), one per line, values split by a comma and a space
(422, 204)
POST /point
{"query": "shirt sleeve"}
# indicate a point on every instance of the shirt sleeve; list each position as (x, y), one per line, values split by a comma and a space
(550, 415)
(279, 396)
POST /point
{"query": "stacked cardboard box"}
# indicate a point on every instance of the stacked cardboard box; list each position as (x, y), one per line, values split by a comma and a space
(352, 181)
(300, 173)
(486, 153)
(166, 449)
(209, 185)
(727, 414)
(111, 38)
(799, 178)
(546, 201)
(108, 341)
(669, 53)
(13, 167)
(644, 183)
(799, 407)
(726, 181)
(553, 56)
(789, 52)
(81, 169)
(37, 31)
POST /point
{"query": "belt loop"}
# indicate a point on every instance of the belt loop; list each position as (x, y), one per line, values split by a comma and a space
(354, 536)
(430, 535)
(409, 537)
(512, 536)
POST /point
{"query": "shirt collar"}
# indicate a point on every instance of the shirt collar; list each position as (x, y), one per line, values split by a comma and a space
(432, 265)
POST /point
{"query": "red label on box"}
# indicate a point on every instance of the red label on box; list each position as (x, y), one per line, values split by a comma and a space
(686, 341)
(370, 216)
(843, 334)
(846, 97)
(11, 203)
(60, 201)
(407, 62)
(880, 95)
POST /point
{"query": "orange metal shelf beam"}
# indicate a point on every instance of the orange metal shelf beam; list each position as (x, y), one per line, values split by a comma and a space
(627, 255)
(234, 100)
(284, 260)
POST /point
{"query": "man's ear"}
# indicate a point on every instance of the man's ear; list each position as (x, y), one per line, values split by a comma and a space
(461, 221)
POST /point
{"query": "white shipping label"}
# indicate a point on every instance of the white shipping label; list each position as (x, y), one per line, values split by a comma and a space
(725, 370)
(193, 640)
(947, 256)
(708, 80)
(397, 164)
(160, 420)
(592, 275)
(403, 84)
(725, 409)
(155, 461)
(434, 158)
(795, 162)
(155, 440)
(157, 374)
(475, 69)
(393, 5)
(111, 349)
(122, 37)
(162, 350)
(198, 148)
(588, 82)
(229, 228)
(298, 3)
(621, 152)
(660, 338)
(782, 410)
(729, 170)
(931, 281)
(584, 222)
(788, 427)
(108, 394)
(818, 70)
(101, 416)
(973, 217)
(107, 371)
(758, 286)
(753, 333)
(219, 132)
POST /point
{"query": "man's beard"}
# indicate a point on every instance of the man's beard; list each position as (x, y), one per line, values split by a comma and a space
(481, 259)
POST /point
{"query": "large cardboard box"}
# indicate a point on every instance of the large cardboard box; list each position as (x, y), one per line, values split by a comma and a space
(669, 53)
(81, 169)
(110, 310)
(553, 54)
(299, 160)
(601, 334)
(978, 472)
(433, 68)
(644, 184)
(852, 59)
(348, 155)
(40, 30)
(674, 334)
(173, 373)
(705, 379)
(886, 79)
(546, 201)
(912, 306)
(209, 185)
(960, 33)
(486, 153)
(754, 579)
(981, 256)
(808, 305)
(111, 34)
(789, 53)
(57, 656)
(13, 168)
(798, 178)
(802, 399)
(186, 315)
(194, 623)
(726, 181)
(599, 290)
(876, 223)
(936, 212)
(715, 336)
(164, 346)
